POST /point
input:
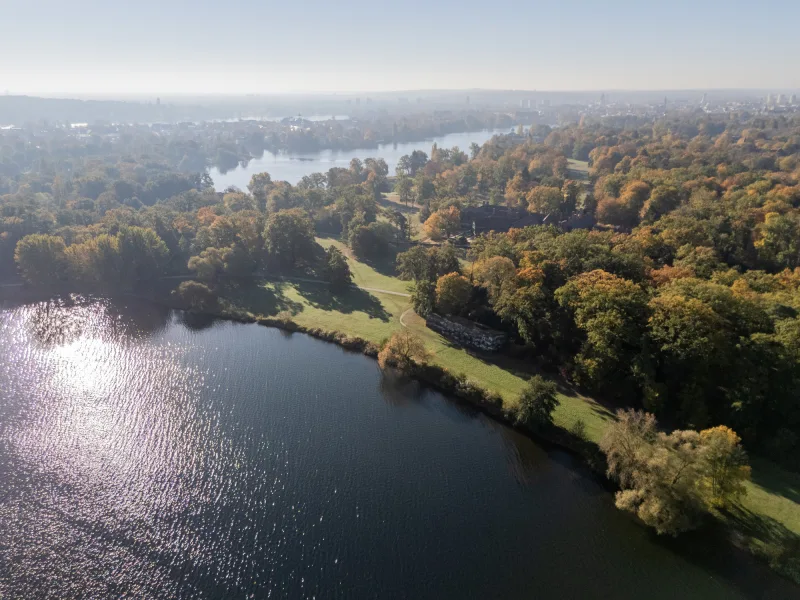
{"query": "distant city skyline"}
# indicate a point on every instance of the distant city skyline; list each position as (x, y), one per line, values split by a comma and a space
(169, 47)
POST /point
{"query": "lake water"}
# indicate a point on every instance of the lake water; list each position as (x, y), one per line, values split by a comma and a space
(292, 167)
(148, 454)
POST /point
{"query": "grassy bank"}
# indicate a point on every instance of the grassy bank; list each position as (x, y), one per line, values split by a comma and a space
(768, 519)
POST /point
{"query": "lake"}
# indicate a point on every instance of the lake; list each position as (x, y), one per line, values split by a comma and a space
(147, 453)
(293, 167)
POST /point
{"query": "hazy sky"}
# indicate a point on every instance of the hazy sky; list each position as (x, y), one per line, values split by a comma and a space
(263, 46)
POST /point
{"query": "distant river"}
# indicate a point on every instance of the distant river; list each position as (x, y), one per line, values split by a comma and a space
(292, 167)
(148, 454)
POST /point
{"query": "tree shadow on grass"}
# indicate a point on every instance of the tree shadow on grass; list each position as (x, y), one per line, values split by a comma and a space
(347, 301)
(384, 265)
(775, 480)
(401, 208)
(781, 545)
(258, 298)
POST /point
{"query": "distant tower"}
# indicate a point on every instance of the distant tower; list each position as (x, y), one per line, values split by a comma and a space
(769, 99)
(665, 104)
(793, 99)
(358, 101)
(705, 99)
(467, 100)
(158, 101)
(780, 100)
(529, 103)
(521, 103)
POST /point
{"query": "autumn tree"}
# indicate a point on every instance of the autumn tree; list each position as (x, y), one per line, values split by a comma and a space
(546, 200)
(726, 468)
(494, 274)
(670, 480)
(443, 223)
(403, 351)
(453, 291)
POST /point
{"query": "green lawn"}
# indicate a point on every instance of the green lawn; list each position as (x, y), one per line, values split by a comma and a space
(578, 169)
(769, 512)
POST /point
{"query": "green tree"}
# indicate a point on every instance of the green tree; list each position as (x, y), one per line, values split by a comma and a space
(537, 403)
(423, 297)
(40, 258)
(453, 291)
(143, 254)
(337, 271)
(610, 312)
(404, 187)
(289, 236)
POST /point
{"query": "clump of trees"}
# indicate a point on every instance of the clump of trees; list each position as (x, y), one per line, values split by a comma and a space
(670, 480)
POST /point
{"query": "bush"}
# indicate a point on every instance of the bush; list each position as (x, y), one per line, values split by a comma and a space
(578, 429)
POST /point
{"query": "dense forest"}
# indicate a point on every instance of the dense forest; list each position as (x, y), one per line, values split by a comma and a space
(683, 299)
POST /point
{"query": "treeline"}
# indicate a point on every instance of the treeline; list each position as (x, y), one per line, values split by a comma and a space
(684, 302)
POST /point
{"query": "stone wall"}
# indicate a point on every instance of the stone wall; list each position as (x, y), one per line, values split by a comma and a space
(467, 333)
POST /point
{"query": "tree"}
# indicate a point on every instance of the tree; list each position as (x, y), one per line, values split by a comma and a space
(370, 242)
(337, 271)
(669, 480)
(726, 465)
(657, 473)
(421, 263)
(95, 260)
(40, 258)
(537, 403)
(403, 187)
(143, 254)
(404, 351)
(453, 291)
(443, 223)
(779, 239)
(195, 296)
(210, 263)
(494, 273)
(611, 314)
(423, 297)
(546, 200)
(289, 236)
(474, 150)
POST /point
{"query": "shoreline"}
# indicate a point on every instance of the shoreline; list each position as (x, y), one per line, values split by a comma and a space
(457, 388)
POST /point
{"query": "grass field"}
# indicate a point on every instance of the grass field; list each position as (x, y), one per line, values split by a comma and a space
(578, 169)
(770, 511)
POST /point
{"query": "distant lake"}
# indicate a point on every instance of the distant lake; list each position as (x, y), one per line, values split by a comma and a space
(293, 167)
(152, 454)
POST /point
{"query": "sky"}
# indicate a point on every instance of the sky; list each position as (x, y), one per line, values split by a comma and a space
(266, 46)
